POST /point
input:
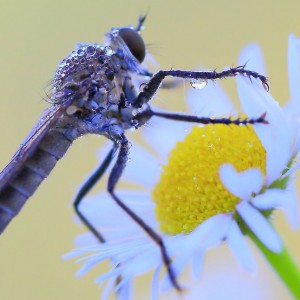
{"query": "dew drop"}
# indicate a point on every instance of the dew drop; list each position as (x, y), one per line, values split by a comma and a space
(71, 110)
(90, 51)
(80, 52)
(198, 83)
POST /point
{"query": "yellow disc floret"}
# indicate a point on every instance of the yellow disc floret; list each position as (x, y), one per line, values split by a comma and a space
(190, 189)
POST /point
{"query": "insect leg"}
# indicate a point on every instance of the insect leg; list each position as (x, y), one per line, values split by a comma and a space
(92, 180)
(203, 120)
(114, 177)
(155, 82)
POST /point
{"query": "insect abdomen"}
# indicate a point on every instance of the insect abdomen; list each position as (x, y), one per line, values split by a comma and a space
(33, 171)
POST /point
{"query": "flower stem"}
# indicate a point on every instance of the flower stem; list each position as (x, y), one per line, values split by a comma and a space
(284, 265)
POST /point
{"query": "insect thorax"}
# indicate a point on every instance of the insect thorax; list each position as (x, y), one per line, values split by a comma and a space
(104, 82)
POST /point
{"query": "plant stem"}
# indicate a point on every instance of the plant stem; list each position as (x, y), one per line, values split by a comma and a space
(284, 265)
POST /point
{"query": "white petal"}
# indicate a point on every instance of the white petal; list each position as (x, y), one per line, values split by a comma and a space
(111, 275)
(256, 101)
(197, 264)
(260, 226)
(109, 287)
(294, 70)
(124, 290)
(112, 221)
(163, 135)
(80, 251)
(282, 199)
(293, 115)
(184, 247)
(178, 266)
(85, 239)
(155, 284)
(148, 258)
(137, 258)
(142, 168)
(208, 234)
(237, 244)
(252, 56)
(296, 135)
(241, 184)
(270, 199)
(209, 101)
(291, 207)
(292, 108)
(93, 260)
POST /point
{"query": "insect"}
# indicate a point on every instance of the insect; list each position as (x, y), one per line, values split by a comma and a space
(96, 90)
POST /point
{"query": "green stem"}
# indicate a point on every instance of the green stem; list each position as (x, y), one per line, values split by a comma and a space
(284, 265)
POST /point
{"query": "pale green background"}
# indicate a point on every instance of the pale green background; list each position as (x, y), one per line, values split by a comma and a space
(35, 36)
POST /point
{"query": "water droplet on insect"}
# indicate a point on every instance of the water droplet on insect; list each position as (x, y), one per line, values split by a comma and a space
(198, 83)
(90, 51)
(80, 52)
(71, 110)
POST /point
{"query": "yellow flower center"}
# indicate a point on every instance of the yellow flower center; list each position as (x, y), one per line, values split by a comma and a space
(190, 189)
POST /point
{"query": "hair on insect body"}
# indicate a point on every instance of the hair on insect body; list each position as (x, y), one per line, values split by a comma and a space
(95, 90)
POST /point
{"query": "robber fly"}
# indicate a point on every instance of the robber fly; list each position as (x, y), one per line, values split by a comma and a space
(96, 90)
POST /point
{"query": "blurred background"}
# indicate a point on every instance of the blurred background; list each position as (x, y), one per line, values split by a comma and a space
(35, 36)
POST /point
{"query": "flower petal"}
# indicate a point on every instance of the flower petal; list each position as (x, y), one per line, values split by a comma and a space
(292, 108)
(109, 287)
(163, 135)
(142, 168)
(124, 290)
(197, 264)
(252, 56)
(209, 101)
(155, 284)
(270, 199)
(293, 61)
(103, 212)
(237, 244)
(210, 233)
(291, 207)
(132, 258)
(184, 247)
(241, 184)
(256, 101)
(133, 171)
(283, 199)
(260, 226)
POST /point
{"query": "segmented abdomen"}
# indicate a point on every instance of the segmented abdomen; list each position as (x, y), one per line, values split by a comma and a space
(33, 171)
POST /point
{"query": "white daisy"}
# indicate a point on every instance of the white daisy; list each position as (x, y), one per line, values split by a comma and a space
(217, 184)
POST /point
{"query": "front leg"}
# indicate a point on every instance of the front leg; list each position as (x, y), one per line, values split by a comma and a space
(154, 83)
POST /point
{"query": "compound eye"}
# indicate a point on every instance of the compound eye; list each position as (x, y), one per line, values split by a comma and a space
(134, 42)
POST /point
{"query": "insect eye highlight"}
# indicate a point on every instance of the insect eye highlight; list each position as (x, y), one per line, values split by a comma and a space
(134, 42)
